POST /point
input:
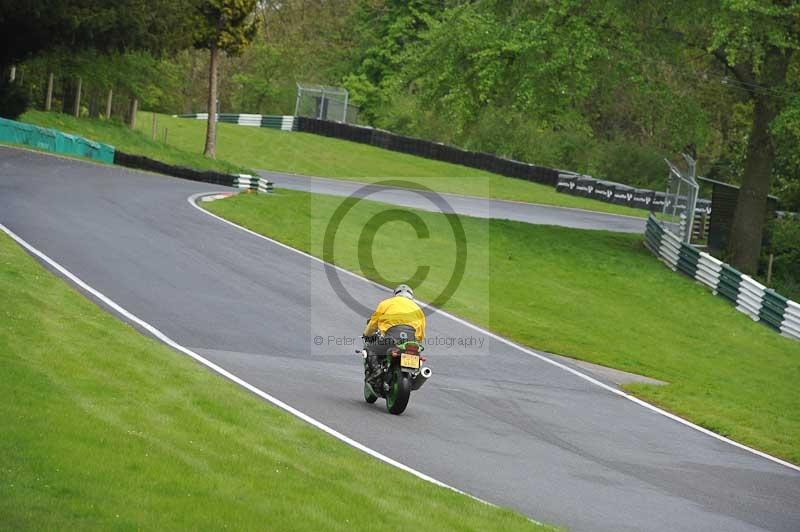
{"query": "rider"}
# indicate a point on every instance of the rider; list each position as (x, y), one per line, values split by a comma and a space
(396, 320)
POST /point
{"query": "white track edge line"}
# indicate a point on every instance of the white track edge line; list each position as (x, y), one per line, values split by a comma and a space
(225, 373)
(616, 391)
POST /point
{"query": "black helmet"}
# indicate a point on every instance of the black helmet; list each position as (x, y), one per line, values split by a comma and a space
(405, 291)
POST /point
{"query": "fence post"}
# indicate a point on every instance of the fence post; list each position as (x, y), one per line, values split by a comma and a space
(77, 111)
(48, 102)
(155, 125)
(134, 109)
(769, 269)
(109, 99)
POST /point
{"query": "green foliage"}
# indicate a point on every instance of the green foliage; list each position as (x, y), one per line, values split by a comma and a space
(563, 83)
(156, 82)
(14, 99)
(524, 59)
(256, 87)
(35, 26)
(745, 31)
(386, 30)
(784, 243)
(227, 25)
(629, 162)
(786, 131)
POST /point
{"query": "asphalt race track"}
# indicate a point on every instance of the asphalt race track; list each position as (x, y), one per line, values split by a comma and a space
(467, 205)
(494, 421)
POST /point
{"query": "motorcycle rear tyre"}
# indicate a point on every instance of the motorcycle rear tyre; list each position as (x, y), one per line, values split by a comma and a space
(399, 393)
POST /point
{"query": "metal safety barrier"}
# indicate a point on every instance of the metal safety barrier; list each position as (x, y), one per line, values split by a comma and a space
(748, 295)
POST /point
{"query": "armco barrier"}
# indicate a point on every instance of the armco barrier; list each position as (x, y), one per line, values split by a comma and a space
(144, 163)
(282, 122)
(241, 181)
(428, 149)
(54, 141)
(250, 182)
(748, 295)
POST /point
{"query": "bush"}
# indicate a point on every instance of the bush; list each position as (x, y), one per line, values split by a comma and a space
(14, 99)
(569, 146)
(784, 244)
(632, 164)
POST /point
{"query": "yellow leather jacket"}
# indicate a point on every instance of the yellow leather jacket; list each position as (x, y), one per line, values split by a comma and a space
(397, 310)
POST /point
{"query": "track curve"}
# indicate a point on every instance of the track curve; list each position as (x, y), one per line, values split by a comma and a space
(502, 425)
(469, 205)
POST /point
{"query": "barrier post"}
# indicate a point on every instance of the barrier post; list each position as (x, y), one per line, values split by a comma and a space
(77, 110)
(109, 99)
(48, 101)
(134, 110)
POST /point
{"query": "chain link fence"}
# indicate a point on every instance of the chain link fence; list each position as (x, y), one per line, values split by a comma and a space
(680, 200)
(324, 103)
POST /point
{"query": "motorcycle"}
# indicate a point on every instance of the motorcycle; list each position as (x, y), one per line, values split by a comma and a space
(396, 375)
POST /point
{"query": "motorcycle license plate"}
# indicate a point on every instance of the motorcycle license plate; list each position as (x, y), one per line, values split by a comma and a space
(409, 361)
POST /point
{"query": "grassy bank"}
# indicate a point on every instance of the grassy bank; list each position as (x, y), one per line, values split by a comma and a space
(137, 142)
(106, 429)
(307, 154)
(241, 149)
(592, 295)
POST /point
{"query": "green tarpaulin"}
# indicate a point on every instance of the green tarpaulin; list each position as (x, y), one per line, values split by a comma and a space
(54, 141)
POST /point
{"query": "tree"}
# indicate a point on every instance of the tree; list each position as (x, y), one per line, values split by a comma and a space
(568, 63)
(384, 30)
(756, 41)
(34, 26)
(228, 26)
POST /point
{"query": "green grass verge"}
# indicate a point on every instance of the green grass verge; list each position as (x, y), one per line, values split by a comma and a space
(240, 149)
(135, 142)
(592, 295)
(103, 428)
(314, 155)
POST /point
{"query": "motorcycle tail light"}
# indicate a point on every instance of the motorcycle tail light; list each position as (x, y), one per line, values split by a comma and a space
(413, 349)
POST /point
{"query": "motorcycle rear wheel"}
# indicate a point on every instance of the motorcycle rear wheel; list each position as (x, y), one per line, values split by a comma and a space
(399, 393)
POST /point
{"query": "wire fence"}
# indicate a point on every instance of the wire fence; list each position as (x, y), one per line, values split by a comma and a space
(680, 200)
(322, 102)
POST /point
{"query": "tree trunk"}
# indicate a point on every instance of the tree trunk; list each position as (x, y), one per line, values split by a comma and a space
(751, 206)
(77, 109)
(211, 130)
(109, 99)
(48, 102)
(133, 111)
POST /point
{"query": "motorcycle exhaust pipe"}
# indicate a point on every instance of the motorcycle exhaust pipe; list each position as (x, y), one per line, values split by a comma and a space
(423, 376)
